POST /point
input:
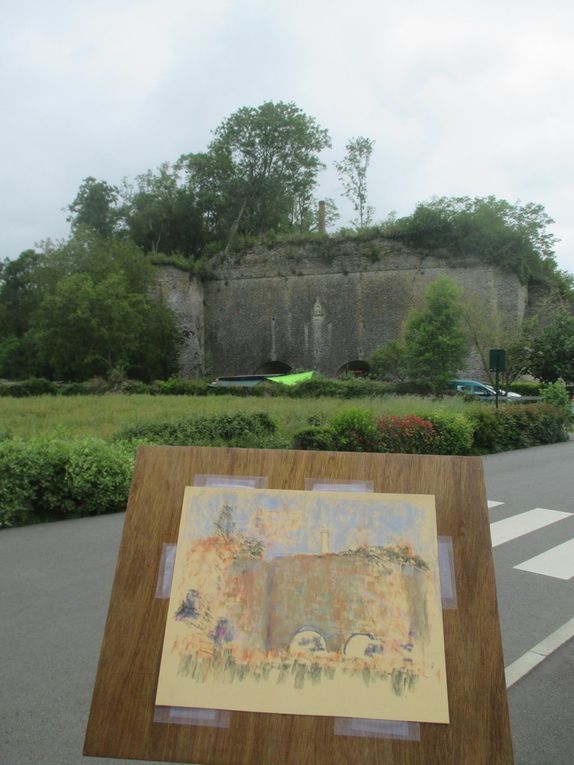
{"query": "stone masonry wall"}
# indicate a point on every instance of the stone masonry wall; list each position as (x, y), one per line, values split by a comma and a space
(314, 309)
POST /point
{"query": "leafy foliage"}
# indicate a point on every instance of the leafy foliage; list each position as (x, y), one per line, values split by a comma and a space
(551, 354)
(435, 339)
(352, 173)
(48, 479)
(515, 426)
(514, 237)
(85, 310)
(227, 429)
(388, 362)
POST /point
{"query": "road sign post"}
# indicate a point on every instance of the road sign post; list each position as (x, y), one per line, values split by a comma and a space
(497, 364)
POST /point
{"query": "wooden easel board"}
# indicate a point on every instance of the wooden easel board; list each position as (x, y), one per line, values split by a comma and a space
(121, 720)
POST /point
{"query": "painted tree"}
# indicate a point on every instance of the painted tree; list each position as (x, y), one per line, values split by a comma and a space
(435, 338)
(352, 172)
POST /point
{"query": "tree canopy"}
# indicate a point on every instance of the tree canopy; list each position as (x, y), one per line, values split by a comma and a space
(83, 309)
(514, 237)
(436, 342)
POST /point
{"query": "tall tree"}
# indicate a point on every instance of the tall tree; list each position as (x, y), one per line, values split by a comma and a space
(551, 354)
(261, 160)
(95, 207)
(352, 172)
(91, 313)
(435, 338)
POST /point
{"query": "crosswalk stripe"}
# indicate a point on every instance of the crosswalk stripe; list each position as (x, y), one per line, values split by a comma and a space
(523, 523)
(493, 503)
(557, 562)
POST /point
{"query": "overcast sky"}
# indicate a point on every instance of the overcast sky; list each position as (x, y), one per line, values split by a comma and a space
(461, 98)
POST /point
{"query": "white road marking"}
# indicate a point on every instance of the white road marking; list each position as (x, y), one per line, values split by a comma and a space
(557, 562)
(541, 651)
(523, 523)
(493, 503)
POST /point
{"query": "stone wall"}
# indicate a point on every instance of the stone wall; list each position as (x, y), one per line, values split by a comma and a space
(315, 308)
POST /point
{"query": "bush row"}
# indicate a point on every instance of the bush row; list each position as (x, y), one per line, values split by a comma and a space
(53, 479)
(177, 386)
(480, 430)
(239, 429)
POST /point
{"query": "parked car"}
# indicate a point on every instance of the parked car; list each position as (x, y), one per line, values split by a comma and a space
(482, 390)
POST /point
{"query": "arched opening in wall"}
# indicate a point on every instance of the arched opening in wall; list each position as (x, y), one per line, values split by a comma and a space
(273, 368)
(357, 368)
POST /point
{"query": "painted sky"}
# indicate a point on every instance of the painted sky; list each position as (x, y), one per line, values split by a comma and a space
(290, 522)
(461, 98)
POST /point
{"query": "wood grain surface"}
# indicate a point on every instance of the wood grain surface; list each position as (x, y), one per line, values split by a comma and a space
(121, 719)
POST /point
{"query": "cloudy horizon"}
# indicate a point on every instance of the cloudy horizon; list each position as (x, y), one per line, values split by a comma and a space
(460, 100)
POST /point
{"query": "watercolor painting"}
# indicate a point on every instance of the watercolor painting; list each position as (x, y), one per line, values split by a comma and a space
(306, 602)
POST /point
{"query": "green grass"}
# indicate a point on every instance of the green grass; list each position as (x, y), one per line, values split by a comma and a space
(102, 416)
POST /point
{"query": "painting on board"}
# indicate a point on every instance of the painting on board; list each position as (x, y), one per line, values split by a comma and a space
(304, 602)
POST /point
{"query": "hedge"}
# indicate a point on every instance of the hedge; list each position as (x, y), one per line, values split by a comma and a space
(51, 479)
(480, 430)
(516, 427)
(227, 429)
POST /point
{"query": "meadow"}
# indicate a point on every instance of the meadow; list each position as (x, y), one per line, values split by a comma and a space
(102, 416)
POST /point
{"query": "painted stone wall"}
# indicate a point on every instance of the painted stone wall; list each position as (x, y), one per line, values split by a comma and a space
(314, 308)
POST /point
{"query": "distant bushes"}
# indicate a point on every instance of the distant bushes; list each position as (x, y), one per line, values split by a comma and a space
(240, 429)
(50, 479)
(480, 430)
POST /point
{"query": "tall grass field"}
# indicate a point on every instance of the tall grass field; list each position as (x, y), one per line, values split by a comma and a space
(102, 416)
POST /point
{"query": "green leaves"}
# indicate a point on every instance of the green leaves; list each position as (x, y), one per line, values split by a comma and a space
(352, 172)
(514, 237)
(435, 338)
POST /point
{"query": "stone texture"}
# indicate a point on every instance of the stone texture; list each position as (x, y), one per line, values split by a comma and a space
(316, 306)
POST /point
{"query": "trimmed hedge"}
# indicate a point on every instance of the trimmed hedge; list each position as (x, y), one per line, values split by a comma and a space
(516, 427)
(52, 479)
(227, 429)
(481, 430)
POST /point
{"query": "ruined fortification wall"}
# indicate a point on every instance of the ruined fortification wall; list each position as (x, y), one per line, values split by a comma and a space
(317, 309)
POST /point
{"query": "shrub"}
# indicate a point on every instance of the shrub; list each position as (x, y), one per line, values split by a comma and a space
(355, 430)
(35, 386)
(51, 479)
(525, 387)
(352, 387)
(556, 394)
(226, 429)
(408, 435)
(316, 438)
(454, 432)
(516, 427)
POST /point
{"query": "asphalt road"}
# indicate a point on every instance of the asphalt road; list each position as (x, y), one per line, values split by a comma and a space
(57, 578)
(532, 606)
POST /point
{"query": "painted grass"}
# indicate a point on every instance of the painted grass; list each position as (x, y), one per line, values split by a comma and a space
(79, 416)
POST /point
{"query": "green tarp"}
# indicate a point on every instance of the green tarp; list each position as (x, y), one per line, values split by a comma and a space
(291, 379)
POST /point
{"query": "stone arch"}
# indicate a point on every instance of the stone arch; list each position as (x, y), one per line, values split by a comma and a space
(307, 640)
(273, 368)
(357, 367)
(362, 644)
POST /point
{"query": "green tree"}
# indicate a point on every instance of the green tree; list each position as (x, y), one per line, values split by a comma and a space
(162, 214)
(91, 313)
(352, 172)
(388, 362)
(551, 354)
(435, 338)
(515, 237)
(260, 162)
(95, 207)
